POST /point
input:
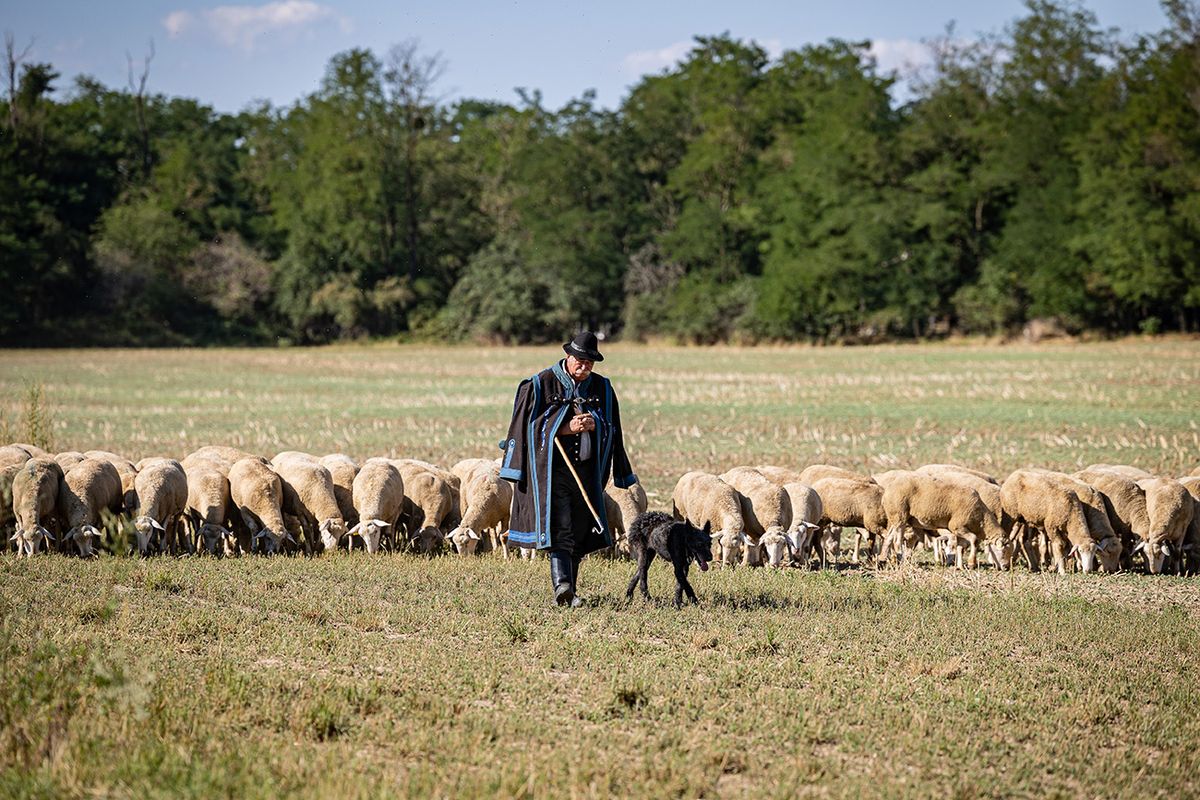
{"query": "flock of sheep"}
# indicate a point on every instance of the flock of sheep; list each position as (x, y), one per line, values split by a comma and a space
(225, 502)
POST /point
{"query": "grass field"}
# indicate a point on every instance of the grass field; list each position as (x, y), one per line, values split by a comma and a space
(348, 676)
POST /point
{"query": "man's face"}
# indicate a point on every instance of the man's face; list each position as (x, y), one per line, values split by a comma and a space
(579, 368)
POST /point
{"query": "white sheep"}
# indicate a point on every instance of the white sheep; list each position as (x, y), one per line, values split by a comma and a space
(87, 489)
(818, 472)
(309, 497)
(378, 494)
(766, 508)
(222, 457)
(1170, 508)
(487, 503)
(1042, 500)
(923, 502)
(161, 492)
(629, 504)
(35, 490)
(69, 458)
(701, 498)
(343, 470)
(430, 502)
(849, 503)
(209, 508)
(1191, 541)
(257, 493)
(1000, 553)
(1133, 473)
(125, 468)
(12, 458)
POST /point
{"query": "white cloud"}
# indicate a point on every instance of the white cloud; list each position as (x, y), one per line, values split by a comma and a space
(645, 61)
(242, 26)
(176, 22)
(902, 55)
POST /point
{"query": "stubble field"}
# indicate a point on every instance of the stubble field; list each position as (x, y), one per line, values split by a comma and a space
(349, 676)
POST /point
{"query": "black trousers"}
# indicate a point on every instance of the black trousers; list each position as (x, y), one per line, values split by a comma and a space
(570, 520)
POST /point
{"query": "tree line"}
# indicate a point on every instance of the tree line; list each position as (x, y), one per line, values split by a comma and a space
(1049, 171)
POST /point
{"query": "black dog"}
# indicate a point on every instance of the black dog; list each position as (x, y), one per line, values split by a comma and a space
(678, 542)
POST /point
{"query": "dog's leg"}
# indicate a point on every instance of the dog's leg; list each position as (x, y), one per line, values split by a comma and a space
(647, 556)
(638, 556)
(682, 585)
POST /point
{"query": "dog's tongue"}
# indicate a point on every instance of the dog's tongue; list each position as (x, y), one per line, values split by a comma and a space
(703, 564)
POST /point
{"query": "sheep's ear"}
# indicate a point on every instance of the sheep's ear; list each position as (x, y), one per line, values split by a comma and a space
(1166, 550)
(1139, 546)
(15, 536)
(157, 524)
(288, 536)
(472, 534)
(380, 523)
(354, 530)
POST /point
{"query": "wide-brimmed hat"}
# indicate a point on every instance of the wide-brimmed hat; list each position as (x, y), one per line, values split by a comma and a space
(584, 346)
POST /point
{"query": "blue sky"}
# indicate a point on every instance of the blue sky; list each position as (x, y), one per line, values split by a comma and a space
(230, 54)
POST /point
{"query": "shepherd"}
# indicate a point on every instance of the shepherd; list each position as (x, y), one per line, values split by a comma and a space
(563, 443)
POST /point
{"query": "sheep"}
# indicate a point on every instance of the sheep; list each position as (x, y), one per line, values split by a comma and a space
(1126, 504)
(468, 467)
(779, 475)
(35, 503)
(807, 510)
(12, 458)
(816, 472)
(849, 503)
(378, 494)
(343, 470)
(928, 503)
(629, 503)
(988, 490)
(766, 508)
(69, 458)
(1095, 510)
(1043, 501)
(161, 489)
(125, 468)
(701, 498)
(1191, 541)
(220, 456)
(1133, 473)
(430, 500)
(257, 493)
(943, 469)
(1170, 508)
(487, 502)
(309, 497)
(86, 489)
(208, 508)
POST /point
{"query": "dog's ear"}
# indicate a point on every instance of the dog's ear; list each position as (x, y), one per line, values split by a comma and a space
(708, 528)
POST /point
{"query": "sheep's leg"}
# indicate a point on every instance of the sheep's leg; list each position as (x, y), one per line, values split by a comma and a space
(857, 545)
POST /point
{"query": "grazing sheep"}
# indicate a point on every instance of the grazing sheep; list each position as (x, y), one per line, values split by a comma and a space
(1133, 473)
(1041, 500)
(88, 488)
(35, 489)
(161, 492)
(219, 455)
(378, 493)
(766, 508)
(343, 470)
(12, 458)
(1000, 553)
(817, 472)
(487, 503)
(1191, 541)
(1095, 510)
(923, 502)
(69, 458)
(807, 511)
(430, 499)
(849, 503)
(630, 503)
(125, 468)
(309, 497)
(468, 467)
(706, 500)
(208, 508)
(1170, 508)
(780, 475)
(257, 493)
(1125, 502)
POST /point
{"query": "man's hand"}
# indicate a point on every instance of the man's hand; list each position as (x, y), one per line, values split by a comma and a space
(582, 422)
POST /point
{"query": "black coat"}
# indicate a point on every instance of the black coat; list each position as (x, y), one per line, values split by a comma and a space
(542, 403)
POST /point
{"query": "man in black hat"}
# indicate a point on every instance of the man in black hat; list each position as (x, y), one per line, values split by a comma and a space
(564, 441)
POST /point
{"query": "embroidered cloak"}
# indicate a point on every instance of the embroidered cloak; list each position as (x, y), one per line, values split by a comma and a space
(541, 404)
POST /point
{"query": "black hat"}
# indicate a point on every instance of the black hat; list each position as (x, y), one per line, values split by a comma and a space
(584, 346)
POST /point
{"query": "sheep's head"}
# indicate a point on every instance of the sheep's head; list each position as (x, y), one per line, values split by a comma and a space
(1086, 553)
(729, 546)
(801, 535)
(268, 542)
(83, 537)
(371, 531)
(831, 543)
(1001, 553)
(332, 530)
(777, 546)
(464, 540)
(1157, 552)
(147, 530)
(28, 541)
(217, 540)
(1108, 552)
(427, 540)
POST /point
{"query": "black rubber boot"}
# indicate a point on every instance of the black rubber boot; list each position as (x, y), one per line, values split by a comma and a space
(561, 576)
